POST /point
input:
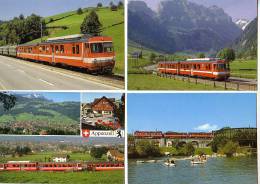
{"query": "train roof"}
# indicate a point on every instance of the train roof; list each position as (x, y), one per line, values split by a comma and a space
(196, 60)
(63, 39)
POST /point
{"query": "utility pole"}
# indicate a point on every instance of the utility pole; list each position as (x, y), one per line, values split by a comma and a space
(41, 31)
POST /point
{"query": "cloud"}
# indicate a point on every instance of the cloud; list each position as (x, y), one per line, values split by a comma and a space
(206, 127)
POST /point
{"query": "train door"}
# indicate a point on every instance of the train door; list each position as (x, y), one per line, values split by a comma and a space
(191, 69)
(52, 53)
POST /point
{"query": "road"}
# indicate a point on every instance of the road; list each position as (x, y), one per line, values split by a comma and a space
(17, 74)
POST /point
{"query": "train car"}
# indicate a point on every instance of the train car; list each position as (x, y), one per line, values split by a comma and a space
(20, 166)
(53, 166)
(106, 166)
(212, 68)
(148, 134)
(92, 53)
(177, 135)
(8, 50)
(201, 135)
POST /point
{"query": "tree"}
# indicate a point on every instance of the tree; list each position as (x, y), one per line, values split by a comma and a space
(152, 56)
(98, 152)
(91, 24)
(201, 55)
(218, 142)
(21, 17)
(227, 54)
(79, 11)
(145, 148)
(7, 100)
(111, 4)
(99, 5)
(120, 4)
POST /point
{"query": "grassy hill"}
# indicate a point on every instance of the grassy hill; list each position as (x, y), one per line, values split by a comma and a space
(112, 21)
(33, 115)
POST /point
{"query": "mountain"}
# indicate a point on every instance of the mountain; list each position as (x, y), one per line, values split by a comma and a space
(246, 44)
(35, 113)
(180, 25)
(242, 23)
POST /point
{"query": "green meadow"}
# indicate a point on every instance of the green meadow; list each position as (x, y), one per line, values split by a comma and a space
(154, 82)
(106, 177)
(112, 22)
(103, 177)
(40, 157)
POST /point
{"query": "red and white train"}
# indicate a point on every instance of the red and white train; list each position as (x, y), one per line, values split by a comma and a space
(92, 53)
(172, 135)
(53, 166)
(212, 68)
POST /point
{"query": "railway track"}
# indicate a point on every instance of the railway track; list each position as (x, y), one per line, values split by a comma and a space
(233, 83)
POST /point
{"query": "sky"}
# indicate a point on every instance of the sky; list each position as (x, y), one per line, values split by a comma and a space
(12, 8)
(189, 112)
(237, 9)
(57, 96)
(89, 97)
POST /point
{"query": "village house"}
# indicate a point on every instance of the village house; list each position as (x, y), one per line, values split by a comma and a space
(105, 106)
(115, 155)
(61, 158)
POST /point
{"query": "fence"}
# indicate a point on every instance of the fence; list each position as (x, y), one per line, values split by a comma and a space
(226, 85)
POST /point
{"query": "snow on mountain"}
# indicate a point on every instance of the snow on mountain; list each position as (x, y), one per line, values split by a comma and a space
(242, 23)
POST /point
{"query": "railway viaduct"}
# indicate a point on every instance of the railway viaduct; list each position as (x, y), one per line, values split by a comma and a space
(198, 140)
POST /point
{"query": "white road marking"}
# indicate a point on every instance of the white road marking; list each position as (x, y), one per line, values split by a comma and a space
(2, 86)
(19, 70)
(46, 82)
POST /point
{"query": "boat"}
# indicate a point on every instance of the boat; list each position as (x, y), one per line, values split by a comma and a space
(197, 162)
(169, 164)
(151, 161)
(139, 161)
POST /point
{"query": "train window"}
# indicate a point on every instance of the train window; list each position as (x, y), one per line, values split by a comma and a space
(62, 49)
(77, 49)
(56, 48)
(209, 66)
(96, 47)
(73, 50)
(108, 47)
(43, 48)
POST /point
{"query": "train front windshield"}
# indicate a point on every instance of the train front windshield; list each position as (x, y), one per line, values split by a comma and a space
(105, 47)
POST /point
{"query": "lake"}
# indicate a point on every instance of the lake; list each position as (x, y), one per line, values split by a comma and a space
(242, 170)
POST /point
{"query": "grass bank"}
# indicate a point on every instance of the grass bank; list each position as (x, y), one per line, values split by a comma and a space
(153, 82)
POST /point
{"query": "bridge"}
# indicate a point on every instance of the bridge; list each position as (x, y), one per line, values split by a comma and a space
(168, 139)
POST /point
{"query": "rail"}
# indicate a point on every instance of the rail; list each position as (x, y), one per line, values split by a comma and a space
(240, 84)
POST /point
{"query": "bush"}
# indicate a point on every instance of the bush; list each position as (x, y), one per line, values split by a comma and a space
(230, 148)
(98, 152)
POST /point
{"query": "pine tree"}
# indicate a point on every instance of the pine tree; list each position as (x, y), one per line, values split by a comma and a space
(91, 24)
